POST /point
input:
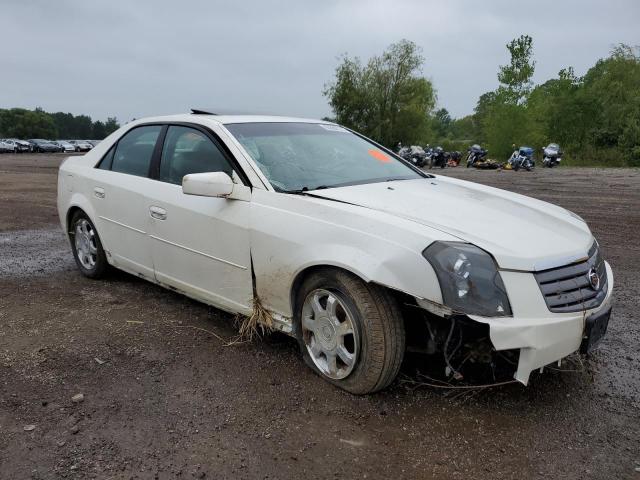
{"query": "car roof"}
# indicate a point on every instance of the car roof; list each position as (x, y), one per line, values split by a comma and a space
(228, 119)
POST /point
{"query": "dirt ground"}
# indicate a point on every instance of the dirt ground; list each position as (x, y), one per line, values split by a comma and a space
(164, 397)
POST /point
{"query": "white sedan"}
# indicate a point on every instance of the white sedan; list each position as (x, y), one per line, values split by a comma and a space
(349, 249)
(81, 145)
(66, 146)
(6, 146)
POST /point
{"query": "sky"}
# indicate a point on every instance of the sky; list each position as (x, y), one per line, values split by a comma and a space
(131, 59)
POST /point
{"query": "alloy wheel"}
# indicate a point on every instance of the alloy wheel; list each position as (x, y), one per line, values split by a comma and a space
(329, 334)
(85, 243)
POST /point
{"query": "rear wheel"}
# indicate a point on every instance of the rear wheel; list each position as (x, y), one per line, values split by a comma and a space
(87, 248)
(350, 332)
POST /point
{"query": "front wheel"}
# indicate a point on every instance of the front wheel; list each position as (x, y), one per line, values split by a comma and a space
(87, 247)
(351, 333)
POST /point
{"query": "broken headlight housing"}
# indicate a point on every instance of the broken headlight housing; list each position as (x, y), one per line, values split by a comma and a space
(469, 279)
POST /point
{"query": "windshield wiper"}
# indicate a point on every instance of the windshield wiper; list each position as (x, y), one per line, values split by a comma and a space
(303, 190)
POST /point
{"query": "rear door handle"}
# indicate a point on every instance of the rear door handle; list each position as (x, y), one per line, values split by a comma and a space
(158, 213)
(98, 192)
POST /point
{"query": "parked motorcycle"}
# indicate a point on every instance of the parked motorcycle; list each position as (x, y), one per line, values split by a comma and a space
(454, 159)
(522, 158)
(414, 154)
(438, 158)
(551, 155)
(476, 154)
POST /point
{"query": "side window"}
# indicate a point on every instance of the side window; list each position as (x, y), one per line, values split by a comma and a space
(134, 150)
(186, 150)
(105, 163)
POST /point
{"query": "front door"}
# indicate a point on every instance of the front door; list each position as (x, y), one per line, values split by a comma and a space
(200, 245)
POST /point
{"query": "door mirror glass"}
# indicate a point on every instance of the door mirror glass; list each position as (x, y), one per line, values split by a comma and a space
(209, 184)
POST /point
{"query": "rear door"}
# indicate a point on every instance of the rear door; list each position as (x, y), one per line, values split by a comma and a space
(119, 195)
(200, 245)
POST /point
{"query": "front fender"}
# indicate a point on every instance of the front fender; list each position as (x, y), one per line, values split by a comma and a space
(290, 234)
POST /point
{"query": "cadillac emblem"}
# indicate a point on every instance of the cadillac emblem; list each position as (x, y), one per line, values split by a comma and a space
(594, 279)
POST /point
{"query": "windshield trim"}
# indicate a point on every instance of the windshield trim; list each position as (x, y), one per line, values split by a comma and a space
(347, 184)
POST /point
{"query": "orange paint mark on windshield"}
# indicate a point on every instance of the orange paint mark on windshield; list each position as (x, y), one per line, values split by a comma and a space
(378, 155)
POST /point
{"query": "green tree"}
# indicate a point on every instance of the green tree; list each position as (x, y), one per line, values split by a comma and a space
(22, 123)
(98, 130)
(515, 78)
(464, 129)
(502, 114)
(111, 126)
(442, 123)
(386, 99)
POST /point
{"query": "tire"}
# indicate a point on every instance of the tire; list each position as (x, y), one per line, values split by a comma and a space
(86, 246)
(516, 166)
(375, 338)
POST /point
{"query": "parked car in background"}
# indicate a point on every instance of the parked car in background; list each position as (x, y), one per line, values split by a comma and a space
(58, 144)
(94, 142)
(81, 145)
(66, 146)
(6, 147)
(338, 242)
(44, 146)
(19, 146)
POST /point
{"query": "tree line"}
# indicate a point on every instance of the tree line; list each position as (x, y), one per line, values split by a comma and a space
(25, 124)
(595, 118)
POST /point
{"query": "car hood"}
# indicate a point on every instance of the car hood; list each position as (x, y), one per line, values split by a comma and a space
(521, 233)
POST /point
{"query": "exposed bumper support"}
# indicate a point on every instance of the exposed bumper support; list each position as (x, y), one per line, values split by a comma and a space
(543, 340)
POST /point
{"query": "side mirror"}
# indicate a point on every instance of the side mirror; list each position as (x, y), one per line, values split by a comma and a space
(209, 184)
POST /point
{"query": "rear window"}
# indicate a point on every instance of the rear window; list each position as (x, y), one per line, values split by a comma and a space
(135, 149)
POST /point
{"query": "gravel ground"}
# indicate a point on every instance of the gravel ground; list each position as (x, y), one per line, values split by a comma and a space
(164, 396)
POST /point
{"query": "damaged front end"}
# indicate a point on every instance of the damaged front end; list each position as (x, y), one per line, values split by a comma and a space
(544, 316)
(453, 347)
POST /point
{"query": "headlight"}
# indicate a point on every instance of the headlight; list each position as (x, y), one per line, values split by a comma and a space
(469, 279)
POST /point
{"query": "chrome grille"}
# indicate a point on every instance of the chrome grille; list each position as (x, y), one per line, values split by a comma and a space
(568, 288)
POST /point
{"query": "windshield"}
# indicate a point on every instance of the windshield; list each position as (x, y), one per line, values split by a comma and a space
(307, 156)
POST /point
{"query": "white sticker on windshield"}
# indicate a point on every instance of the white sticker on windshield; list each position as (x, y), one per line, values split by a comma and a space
(332, 128)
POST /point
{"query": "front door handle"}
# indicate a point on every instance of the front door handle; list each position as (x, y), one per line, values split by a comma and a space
(98, 192)
(158, 213)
